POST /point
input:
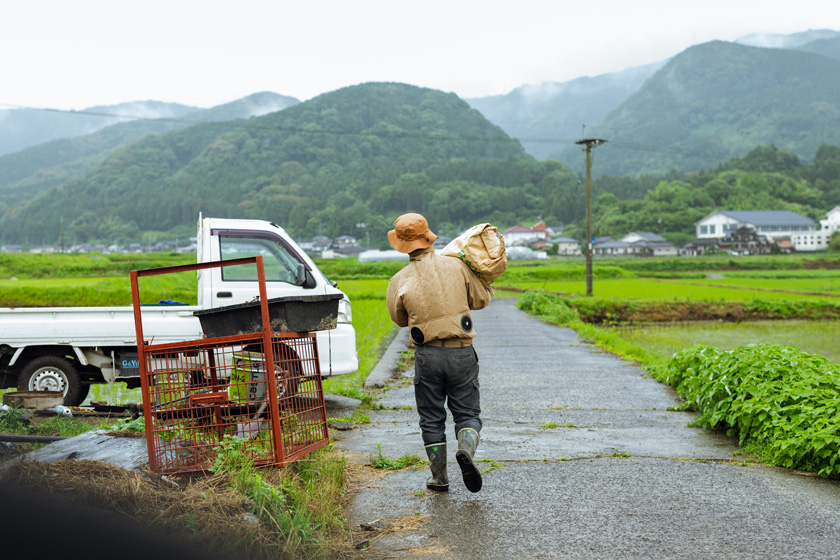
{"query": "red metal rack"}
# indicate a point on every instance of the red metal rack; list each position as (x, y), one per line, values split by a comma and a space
(197, 393)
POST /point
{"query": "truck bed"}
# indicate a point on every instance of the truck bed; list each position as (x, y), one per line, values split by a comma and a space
(96, 326)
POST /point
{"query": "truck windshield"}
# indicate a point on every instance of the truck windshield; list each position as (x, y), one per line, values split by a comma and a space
(278, 264)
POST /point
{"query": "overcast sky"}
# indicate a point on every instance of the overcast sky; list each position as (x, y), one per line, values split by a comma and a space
(77, 54)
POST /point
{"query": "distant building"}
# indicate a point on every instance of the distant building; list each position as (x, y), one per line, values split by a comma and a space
(441, 242)
(345, 241)
(746, 241)
(521, 235)
(701, 247)
(316, 246)
(556, 230)
(643, 244)
(566, 246)
(771, 223)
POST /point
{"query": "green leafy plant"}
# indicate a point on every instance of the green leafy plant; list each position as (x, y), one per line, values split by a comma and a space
(493, 465)
(131, 425)
(777, 398)
(14, 420)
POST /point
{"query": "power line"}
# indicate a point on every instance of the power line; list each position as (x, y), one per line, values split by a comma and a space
(237, 124)
(234, 124)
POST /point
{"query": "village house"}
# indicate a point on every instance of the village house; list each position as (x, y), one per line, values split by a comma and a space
(701, 247)
(566, 246)
(746, 241)
(787, 230)
(644, 244)
(521, 235)
(771, 223)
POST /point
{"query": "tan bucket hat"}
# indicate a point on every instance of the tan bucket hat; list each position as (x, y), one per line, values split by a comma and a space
(411, 232)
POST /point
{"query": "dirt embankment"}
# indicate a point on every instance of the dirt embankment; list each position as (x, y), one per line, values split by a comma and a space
(632, 311)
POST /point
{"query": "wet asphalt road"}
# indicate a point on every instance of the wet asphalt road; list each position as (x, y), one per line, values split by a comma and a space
(620, 476)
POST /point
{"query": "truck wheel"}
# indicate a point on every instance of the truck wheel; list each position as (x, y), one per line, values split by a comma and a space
(51, 373)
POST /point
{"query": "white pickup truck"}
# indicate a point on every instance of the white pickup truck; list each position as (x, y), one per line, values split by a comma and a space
(69, 348)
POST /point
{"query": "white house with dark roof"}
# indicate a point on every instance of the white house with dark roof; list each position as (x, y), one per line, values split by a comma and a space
(635, 243)
(803, 232)
(566, 246)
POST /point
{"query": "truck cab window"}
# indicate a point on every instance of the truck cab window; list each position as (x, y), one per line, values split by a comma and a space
(278, 264)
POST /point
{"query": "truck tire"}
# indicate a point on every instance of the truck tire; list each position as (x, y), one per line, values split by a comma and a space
(51, 373)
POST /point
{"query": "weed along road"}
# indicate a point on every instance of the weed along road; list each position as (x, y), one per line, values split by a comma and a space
(583, 459)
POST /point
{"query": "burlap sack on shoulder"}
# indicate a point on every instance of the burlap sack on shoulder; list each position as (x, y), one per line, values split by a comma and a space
(482, 249)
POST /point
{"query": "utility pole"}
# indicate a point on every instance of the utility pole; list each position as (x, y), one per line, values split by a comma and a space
(589, 143)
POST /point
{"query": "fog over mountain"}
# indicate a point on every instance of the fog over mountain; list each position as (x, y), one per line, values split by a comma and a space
(790, 41)
(22, 128)
(720, 100)
(546, 116)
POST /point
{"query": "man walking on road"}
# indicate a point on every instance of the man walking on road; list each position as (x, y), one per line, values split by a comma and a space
(433, 296)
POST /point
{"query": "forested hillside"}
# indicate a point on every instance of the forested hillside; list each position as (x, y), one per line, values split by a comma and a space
(28, 172)
(349, 162)
(313, 167)
(718, 100)
(828, 47)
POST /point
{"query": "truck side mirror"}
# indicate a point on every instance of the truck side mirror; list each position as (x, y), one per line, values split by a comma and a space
(304, 278)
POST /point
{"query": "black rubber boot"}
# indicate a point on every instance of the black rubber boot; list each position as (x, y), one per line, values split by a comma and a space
(467, 443)
(437, 463)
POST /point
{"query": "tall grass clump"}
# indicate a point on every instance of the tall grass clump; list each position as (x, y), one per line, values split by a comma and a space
(300, 504)
(549, 307)
(778, 399)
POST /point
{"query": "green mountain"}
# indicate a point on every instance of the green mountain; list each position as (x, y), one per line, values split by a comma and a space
(28, 172)
(21, 128)
(720, 100)
(335, 151)
(828, 47)
(548, 116)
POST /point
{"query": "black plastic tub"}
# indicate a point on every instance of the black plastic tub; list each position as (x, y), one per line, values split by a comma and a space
(286, 314)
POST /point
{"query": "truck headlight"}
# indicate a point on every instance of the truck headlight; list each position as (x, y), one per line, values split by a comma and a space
(345, 313)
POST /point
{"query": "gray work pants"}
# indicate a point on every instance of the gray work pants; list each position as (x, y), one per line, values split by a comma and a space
(446, 376)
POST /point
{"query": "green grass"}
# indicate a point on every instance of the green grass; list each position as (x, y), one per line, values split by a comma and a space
(824, 284)
(96, 292)
(374, 329)
(814, 337)
(379, 461)
(68, 265)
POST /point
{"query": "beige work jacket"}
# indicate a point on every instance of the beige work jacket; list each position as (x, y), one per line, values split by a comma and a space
(433, 296)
